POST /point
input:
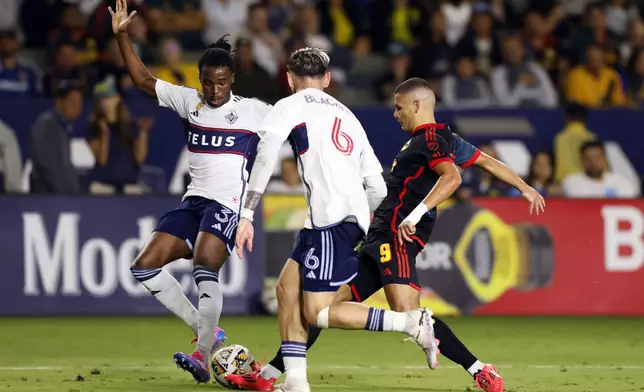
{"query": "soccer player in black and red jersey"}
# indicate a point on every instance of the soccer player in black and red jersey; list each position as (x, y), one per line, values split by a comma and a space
(423, 175)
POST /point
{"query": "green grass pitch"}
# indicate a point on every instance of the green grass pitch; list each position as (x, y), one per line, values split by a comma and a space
(135, 354)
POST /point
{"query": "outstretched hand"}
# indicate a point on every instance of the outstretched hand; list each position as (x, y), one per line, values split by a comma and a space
(120, 19)
(537, 202)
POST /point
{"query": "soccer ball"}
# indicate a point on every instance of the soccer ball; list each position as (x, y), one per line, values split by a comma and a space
(233, 359)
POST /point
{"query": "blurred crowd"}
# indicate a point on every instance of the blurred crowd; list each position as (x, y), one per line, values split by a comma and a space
(475, 53)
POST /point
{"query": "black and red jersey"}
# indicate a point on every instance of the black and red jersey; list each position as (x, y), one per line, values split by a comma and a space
(412, 177)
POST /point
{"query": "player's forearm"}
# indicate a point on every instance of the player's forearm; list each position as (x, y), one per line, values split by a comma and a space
(135, 67)
(444, 188)
(267, 152)
(501, 171)
(376, 189)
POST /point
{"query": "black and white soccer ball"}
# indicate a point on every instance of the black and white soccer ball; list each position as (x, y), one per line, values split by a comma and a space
(233, 359)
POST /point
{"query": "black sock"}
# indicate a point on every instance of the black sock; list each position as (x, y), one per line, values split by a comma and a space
(278, 361)
(451, 347)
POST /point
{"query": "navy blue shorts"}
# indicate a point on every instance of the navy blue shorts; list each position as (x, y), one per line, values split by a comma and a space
(196, 214)
(328, 257)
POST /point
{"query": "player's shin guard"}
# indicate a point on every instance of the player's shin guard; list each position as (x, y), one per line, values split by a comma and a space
(452, 348)
(275, 367)
(294, 354)
(165, 288)
(210, 306)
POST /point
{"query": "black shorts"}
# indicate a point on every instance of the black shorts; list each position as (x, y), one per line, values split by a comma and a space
(382, 261)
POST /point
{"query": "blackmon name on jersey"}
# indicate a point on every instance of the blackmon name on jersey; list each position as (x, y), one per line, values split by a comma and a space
(412, 177)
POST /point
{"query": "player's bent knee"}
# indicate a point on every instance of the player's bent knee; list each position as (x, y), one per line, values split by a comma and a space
(287, 295)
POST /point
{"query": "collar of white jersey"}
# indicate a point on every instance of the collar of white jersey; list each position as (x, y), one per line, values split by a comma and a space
(233, 98)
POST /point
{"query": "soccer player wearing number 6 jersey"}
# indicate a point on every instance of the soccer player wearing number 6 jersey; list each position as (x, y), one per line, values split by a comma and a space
(220, 133)
(386, 258)
(336, 163)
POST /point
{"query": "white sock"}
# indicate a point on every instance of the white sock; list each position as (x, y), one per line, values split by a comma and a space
(211, 302)
(269, 371)
(165, 288)
(295, 368)
(477, 367)
(395, 321)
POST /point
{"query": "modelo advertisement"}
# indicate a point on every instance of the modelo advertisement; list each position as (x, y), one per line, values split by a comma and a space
(72, 255)
(490, 256)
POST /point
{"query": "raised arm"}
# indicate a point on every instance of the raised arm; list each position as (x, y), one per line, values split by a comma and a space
(135, 67)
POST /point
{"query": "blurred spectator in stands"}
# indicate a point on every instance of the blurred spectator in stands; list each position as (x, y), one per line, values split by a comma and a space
(632, 43)
(172, 69)
(635, 79)
(568, 142)
(478, 182)
(521, 81)
(65, 70)
(99, 20)
(294, 43)
(289, 181)
(53, 170)
(138, 33)
(267, 47)
(337, 20)
(9, 14)
(113, 67)
(38, 18)
(481, 42)
(597, 181)
(71, 30)
(543, 46)
(541, 176)
(183, 19)
(432, 57)
(224, 17)
(280, 16)
(252, 80)
(464, 88)
(595, 32)
(457, 14)
(619, 14)
(594, 84)
(16, 78)
(405, 18)
(398, 72)
(307, 24)
(119, 145)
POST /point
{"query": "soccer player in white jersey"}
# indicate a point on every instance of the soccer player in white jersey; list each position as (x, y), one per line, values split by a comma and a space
(336, 164)
(220, 132)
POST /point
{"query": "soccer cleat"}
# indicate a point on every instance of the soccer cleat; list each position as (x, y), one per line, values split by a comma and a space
(194, 364)
(422, 332)
(294, 386)
(251, 382)
(489, 379)
(220, 339)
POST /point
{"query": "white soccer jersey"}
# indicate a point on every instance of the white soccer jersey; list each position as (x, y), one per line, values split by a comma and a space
(333, 152)
(222, 142)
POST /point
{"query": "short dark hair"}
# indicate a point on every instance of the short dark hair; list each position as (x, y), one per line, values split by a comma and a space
(66, 87)
(592, 144)
(412, 84)
(312, 62)
(576, 111)
(256, 6)
(218, 55)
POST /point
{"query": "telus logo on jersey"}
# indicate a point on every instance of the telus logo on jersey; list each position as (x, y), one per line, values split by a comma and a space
(219, 141)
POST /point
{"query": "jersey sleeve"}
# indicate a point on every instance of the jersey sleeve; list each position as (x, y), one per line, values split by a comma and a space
(369, 163)
(174, 97)
(439, 147)
(466, 153)
(277, 122)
